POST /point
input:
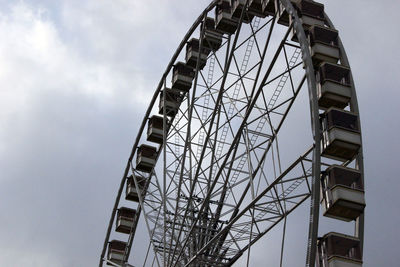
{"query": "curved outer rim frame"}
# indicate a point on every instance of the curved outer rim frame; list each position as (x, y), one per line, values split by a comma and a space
(314, 112)
(359, 228)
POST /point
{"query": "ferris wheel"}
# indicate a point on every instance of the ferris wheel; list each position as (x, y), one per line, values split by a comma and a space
(255, 114)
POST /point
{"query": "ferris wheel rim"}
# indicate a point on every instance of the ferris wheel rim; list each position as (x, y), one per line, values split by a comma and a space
(312, 95)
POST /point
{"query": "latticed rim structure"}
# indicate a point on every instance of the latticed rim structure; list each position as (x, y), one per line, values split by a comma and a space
(209, 178)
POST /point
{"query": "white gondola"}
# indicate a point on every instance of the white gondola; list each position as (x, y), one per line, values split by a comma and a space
(225, 23)
(182, 77)
(125, 220)
(341, 138)
(342, 193)
(132, 193)
(146, 158)
(333, 86)
(173, 100)
(311, 13)
(257, 8)
(212, 38)
(155, 131)
(338, 250)
(193, 54)
(116, 251)
(324, 45)
(237, 8)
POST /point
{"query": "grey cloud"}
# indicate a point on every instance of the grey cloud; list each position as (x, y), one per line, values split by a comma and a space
(64, 144)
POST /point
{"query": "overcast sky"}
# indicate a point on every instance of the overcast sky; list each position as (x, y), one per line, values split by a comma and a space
(75, 80)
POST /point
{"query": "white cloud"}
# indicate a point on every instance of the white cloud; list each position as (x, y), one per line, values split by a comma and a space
(36, 57)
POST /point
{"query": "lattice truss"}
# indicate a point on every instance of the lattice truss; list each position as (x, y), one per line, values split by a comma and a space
(224, 186)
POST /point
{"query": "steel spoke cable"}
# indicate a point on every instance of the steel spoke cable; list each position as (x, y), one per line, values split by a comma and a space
(265, 152)
(228, 62)
(237, 88)
(250, 205)
(206, 103)
(188, 135)
(270, 105)
(277, 130)
(225, 189)
(257, 93)
(262, 121)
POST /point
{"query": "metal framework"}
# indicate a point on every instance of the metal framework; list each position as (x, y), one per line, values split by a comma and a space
(223, 179)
